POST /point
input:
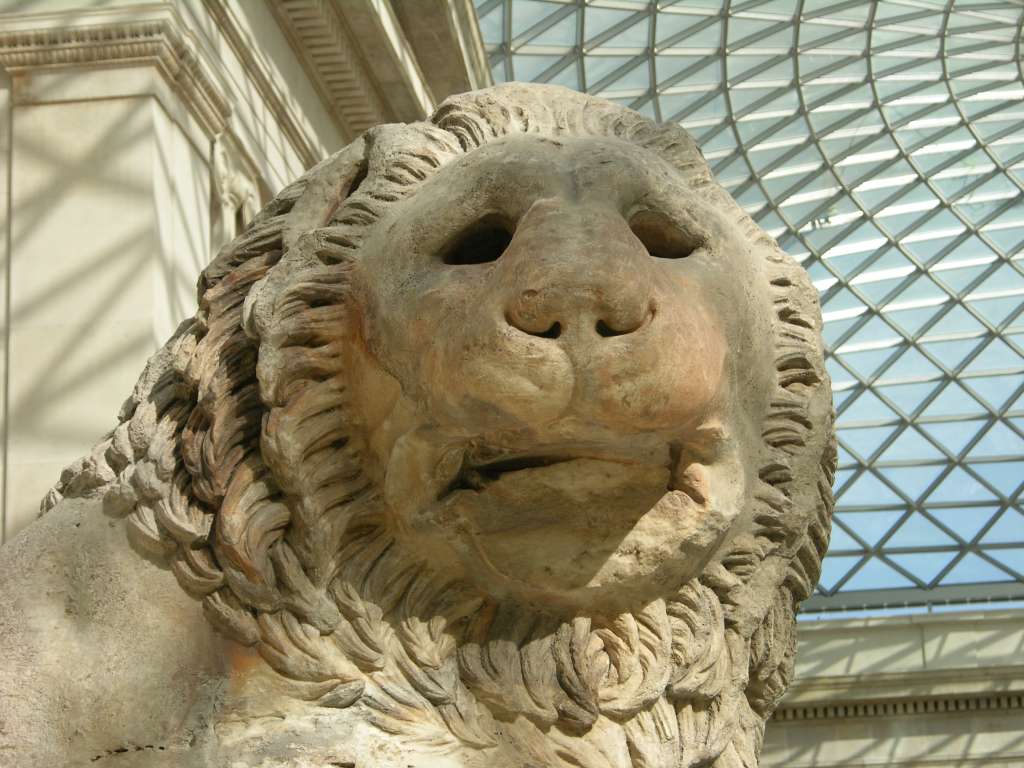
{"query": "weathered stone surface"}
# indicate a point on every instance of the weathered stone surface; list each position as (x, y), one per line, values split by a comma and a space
(499, 440)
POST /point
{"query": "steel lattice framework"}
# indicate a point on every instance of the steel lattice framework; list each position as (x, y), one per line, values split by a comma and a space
(882, 143)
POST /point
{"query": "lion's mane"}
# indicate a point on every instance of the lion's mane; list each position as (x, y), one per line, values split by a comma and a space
(238, 458)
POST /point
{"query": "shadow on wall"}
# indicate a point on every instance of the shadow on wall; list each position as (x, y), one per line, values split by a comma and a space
(109, 228)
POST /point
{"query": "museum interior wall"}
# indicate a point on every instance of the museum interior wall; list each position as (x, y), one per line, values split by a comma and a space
(138, 138)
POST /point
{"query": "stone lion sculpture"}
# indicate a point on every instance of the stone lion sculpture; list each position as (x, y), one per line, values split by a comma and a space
(501, 439)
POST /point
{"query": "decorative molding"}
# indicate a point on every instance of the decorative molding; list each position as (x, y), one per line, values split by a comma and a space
(153, 35)
(921, 705)
(323, 42)
(157, 40)
(257, 72)
(358, 54)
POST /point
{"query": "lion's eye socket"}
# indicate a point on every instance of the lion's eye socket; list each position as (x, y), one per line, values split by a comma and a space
(661, 237)
(483, 242)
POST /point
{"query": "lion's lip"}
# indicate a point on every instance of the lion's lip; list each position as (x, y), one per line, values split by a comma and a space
(477, 477)
(689, 477)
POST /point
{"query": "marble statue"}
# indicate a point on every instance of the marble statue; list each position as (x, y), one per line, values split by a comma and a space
(500, 439)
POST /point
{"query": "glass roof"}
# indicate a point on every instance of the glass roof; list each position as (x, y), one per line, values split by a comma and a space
(882, 143)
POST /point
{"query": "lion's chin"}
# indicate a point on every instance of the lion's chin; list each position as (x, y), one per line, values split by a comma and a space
(575, 531)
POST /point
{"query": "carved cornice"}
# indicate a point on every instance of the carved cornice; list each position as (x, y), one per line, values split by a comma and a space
(322, 40)
(152, 35)
(914, 705)
(158, 41)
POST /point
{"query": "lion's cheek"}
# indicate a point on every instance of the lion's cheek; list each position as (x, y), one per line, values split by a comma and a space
(669, 375)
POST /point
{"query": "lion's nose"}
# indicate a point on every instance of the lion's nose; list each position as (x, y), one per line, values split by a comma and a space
(548, 312)
(578, 272)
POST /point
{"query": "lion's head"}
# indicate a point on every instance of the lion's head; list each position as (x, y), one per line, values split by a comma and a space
(510, 422)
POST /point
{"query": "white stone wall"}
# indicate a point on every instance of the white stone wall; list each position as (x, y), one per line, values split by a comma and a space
(106, 150)
(935, 691)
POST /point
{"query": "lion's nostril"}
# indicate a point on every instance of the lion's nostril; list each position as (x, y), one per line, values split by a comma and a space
(551, 333)
(603, 329)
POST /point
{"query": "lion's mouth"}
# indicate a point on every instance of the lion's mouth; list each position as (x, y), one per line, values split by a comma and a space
(477, 477)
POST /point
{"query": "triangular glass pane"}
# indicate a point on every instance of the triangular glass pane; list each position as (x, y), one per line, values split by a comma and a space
(997, 390)
(974, 570)
(958, 486)
(954, 435)
(676, 27)
(864, 442)
(907, 397)
(1008, 529)
(867, 407)
(868, 491)
(956, 320)
(919, 531)
(914, 319)
(844, 457)
(599, 20)
(925, 565)
(498, 73)
(836, 329)
(1005, 278)
(954, 400)
(963, 521)
(1012, 239)
(995, 357)
(840, 396)
(871, 526)
(951, 353)
(997, 310)
(699, 71)
(637, 78)
(833, 569)
(599, 67)
(910, 445)
(999, 440)
(1012, 557)
(843, 478)
(910, 365)
(875, 574)
(921, 289)
(686, 107)
(529, 66)
(526, 13)
(492, 24)
(1004, 476)
(867, 362)
(635, 35)
(913, 481)
(841, 302)
(569, 76)
(561, 33)
(841, 541)
(874, 331)
(961, 278)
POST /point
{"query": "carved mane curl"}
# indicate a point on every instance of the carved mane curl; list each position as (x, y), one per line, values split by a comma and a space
(238, 458)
